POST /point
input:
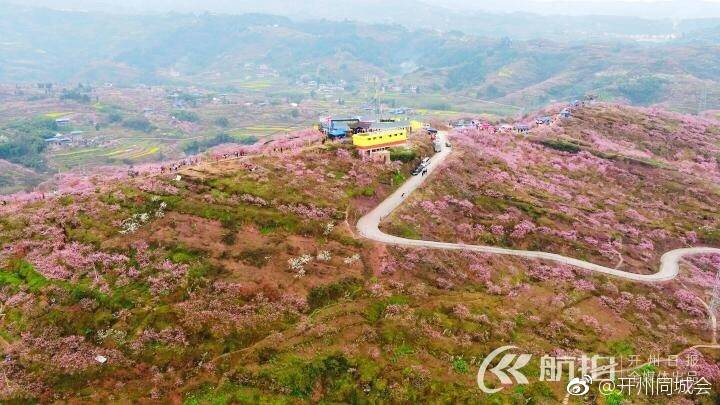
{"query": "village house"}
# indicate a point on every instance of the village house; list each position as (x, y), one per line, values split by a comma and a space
(522, 128)
(58, 140)
(62, 122)
(463, 123)
(506, 128)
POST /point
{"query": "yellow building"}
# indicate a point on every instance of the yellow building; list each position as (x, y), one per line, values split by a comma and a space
(379, 140)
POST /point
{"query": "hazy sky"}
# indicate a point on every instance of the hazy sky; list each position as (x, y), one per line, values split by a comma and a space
(637, 8)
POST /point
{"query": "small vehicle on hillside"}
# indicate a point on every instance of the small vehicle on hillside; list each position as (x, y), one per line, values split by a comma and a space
(424, 163)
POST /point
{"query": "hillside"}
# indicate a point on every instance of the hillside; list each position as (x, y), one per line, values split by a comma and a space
(14, 178)
(215, 50)
(614, 185)
(242, 280)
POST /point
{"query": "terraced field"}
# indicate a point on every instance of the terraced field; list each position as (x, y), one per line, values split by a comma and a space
(130, 151)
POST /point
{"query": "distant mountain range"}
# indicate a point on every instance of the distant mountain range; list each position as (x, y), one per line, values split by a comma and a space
(659, 9)
(412, 9)
(518, 19)
(65, 46)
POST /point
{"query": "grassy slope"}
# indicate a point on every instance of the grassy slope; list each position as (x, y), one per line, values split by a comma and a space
(385, 325)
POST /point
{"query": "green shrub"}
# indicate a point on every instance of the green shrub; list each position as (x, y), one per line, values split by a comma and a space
(710, 235)
(621, 348)
(323, 295)
(534, 393)
(20, 273)
(404, 155)
(643, 90)
(114, 117)
(614, 398)
(182, 255)
(222, 122)
(186, 116)
(138, 124)
(376, 310)
(79, 94)
(229, 237)
(461, 366)
(300, 376)
(406, 230)
(255, 257)
(194, 147)
(24, 141)
(266, 354)
(561, 145)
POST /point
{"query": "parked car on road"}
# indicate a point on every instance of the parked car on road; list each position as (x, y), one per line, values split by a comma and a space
(424, 163)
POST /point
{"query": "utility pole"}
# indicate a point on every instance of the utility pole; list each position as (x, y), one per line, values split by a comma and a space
(715, 301)
(702, 102)
(376, 97)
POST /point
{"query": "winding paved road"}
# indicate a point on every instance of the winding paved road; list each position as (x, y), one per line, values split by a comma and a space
(368, 227)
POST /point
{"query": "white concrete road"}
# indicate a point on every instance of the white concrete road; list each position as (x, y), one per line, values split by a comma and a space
(368, 227)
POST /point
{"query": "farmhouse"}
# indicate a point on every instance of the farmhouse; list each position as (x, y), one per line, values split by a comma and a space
(522, 128)
(58, 141)
(62, 122)
(463, 123)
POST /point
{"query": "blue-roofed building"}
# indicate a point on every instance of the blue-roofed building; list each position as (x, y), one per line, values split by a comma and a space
(336, 128)
(336, 133)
